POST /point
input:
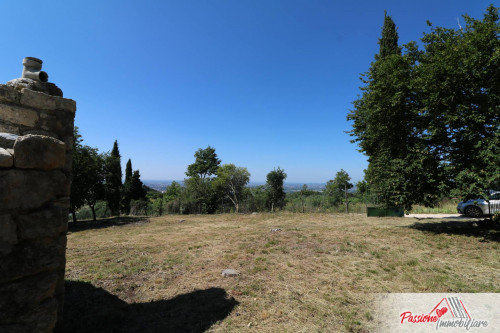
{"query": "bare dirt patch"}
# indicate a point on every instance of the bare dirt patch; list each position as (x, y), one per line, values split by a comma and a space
(315, 274)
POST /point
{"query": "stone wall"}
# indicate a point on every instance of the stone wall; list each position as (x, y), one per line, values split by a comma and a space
(36, 136)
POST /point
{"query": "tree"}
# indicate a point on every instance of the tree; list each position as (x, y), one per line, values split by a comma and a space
(303, 192)
(460, 79)
(389, 41)
(137, 189)
(200, 176)
(429, 120)
(275, 191)
(126, 188)
(114, 179)
(338, 187)
(388, 129)
(95, 178)
(77, 179)
(87, 176)
(231, 181)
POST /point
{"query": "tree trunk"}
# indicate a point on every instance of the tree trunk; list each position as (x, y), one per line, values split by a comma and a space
(346, 202)
(73, 213)
(93, 211)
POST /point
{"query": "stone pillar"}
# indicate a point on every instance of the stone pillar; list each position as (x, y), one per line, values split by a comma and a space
(36, 138)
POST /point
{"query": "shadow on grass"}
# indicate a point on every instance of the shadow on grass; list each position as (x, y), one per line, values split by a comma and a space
(484, 229)
(91, 309)
(105, 223)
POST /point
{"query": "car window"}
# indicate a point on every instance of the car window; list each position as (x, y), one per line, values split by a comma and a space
(495, 196)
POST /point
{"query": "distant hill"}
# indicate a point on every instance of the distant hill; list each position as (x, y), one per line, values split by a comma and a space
(161, 185)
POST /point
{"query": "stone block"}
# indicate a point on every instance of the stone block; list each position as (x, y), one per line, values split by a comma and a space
(19, 297)
(18, 115)
(7, 140)
(6, 159)
(40, 319)
(39, 152)
(41, 132)
(33, 257)
(59, 122)
(9, 94)
(8, 234)
(31, 189)
(40, 100)
(44, 223)
(9, 128)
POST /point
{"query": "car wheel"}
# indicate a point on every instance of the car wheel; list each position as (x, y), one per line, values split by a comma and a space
(473, 211)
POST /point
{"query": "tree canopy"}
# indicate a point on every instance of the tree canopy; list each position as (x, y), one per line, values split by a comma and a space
(275, 190)
(428, 120)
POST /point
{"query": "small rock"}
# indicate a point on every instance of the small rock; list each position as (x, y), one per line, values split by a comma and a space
(254, 213)
(230, 272)
(180, 221)
(474, 225)
(276, 230)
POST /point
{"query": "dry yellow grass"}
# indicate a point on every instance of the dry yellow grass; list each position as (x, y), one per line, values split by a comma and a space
(315, 275)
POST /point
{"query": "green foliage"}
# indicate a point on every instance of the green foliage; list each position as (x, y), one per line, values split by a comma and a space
(428, 120)
(275, 191)
(126, 188)
(338, 187)
(230, 182)
(199, 184)
(461, 71)
(205, 165)
(87, 176)
(137, 189)
(113, 179)
(389, 40)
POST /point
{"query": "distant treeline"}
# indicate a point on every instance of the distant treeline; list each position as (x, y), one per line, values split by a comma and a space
(210, 187)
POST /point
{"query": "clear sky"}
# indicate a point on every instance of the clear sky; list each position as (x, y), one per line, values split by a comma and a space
(268, 83)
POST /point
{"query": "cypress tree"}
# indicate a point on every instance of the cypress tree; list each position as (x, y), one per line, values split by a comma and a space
(114, 180)
(126, 197)
(128, 171)
(389, 40)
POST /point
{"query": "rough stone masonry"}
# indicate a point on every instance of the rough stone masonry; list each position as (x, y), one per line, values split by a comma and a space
(36, 138)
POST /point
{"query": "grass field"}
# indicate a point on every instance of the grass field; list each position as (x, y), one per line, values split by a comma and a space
(316, 274)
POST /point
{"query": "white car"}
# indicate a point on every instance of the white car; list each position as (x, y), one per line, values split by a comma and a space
(480, 207)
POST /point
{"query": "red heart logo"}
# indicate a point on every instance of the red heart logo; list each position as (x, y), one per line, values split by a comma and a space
(441, 311)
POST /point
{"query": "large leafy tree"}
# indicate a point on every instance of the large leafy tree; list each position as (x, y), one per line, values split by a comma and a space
(87, 176)
(386, 125)
(275, 190)
(231, 181)
(77, 175)
(200, 176)
(460, 79)
(114, 179)
(429, 120)
(338, 188)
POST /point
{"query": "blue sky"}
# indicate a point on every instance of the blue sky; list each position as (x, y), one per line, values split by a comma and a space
(267, 83)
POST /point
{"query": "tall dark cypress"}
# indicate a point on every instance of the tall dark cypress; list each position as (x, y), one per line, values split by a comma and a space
(128, 171)
(114, 180)
(126, 198)
(389, 40)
